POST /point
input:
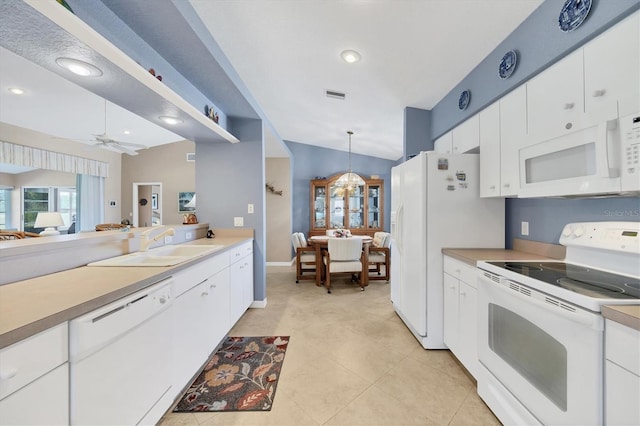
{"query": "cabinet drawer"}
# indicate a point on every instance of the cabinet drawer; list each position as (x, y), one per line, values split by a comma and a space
(194, 275)
(241, 251)
(623, 346)
(462, 271)
(25, 361)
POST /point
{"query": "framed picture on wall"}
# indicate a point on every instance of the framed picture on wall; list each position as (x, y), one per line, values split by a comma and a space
(154, 201)
(186, 202)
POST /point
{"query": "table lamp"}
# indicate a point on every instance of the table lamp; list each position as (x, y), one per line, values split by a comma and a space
(48, 220)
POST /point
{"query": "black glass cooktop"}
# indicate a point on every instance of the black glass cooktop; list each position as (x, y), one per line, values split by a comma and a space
(579, 279)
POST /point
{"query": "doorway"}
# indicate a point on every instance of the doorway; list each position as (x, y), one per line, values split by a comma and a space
(147, 204)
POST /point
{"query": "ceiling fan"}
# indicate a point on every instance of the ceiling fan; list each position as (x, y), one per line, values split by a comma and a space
(105, 141)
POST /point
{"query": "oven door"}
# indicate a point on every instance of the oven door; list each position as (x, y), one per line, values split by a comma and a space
(546, 354)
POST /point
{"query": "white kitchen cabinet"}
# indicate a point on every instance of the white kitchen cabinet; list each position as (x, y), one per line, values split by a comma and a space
(241, 281)
(444, 144)
(489, 124)
(460, 312)
(513, 133)
(612, 71)
(622, 374)
(466, 136)
(555, 99)
(200, 315)
(35, 373)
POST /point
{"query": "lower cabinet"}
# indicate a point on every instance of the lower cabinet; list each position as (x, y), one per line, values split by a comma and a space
(34, 379)
(622, 374)
(460, 312)
(241, 281)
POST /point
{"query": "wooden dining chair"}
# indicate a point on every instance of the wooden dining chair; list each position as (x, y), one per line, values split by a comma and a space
(109, 226)
(305, 257)
(380, 255)
(344, 255)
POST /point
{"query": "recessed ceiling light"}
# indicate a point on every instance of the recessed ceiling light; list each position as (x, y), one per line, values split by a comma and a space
(16, 91)
(80, 68)
(350, 56)
(170, 120)
(127, 132)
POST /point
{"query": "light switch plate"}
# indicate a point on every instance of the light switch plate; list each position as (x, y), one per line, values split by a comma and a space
(188, 235)
(524, 228)
(250, 208)
(168, 239)
(238, 221)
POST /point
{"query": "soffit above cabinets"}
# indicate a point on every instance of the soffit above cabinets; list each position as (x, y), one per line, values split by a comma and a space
(42, 31)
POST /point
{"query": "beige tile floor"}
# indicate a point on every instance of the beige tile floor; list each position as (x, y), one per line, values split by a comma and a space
(350, 361)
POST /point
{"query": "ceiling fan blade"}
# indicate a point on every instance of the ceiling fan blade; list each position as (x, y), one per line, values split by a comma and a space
(119, 148)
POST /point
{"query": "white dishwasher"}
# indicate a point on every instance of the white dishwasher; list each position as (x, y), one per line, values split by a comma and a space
(119, 359)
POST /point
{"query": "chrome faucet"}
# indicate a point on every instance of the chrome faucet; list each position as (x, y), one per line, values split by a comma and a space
(145, 241)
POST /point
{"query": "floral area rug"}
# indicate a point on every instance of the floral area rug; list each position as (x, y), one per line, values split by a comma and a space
(241, 376)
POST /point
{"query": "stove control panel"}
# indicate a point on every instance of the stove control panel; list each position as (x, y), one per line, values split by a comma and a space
(613, 236)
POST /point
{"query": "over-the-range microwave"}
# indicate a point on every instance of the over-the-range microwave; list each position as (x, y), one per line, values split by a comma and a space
(598, 160)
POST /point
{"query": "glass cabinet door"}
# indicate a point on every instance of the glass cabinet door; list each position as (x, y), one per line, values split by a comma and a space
(320, 211)
(337, 206)
(356, 207)
(374, 207)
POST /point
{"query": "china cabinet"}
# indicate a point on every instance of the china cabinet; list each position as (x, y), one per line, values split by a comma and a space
(359, 209)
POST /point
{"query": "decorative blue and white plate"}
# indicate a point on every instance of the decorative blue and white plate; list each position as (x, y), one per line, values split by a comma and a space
(508, 64)
(573, 14)
(463, 100)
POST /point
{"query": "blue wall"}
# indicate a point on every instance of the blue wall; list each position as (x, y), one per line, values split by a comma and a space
(311, 161)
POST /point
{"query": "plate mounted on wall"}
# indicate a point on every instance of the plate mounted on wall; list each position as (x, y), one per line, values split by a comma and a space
(508, 64)
(464, 99)
(573, 14)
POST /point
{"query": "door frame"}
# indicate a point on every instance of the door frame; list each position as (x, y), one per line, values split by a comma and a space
(135, 200)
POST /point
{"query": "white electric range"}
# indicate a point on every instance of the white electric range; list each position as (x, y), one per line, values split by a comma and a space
(541, 334)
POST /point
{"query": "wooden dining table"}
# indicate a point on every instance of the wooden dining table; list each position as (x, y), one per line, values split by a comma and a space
(321, 242)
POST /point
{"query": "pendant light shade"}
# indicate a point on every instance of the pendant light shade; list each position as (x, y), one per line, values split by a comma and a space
(349, 180)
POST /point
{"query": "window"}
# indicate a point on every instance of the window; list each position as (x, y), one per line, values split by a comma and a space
(51, 199)
(5, 208)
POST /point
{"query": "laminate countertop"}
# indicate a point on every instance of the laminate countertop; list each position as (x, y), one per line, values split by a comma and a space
(628, 315)
(34, 305)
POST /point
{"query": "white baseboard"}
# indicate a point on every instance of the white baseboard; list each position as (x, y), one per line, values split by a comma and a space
(259, 304)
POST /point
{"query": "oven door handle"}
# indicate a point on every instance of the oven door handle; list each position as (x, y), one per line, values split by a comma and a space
(528, 295)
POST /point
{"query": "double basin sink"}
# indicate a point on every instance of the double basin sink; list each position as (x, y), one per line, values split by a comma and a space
(161, 256)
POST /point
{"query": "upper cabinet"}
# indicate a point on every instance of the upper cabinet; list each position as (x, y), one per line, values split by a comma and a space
(466, 136)
(612, 71)
(490, 151)
(513, 135)
(334, 207)
(444, 144)
(555, 99)
(53, 32)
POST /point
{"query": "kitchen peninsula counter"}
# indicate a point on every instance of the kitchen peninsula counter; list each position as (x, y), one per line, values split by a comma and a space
(628, 315)
(33, 305)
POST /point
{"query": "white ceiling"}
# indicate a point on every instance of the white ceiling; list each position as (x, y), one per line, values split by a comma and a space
(288, 53)
(413, 53)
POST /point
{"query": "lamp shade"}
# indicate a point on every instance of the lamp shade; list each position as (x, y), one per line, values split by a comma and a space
(49, 220)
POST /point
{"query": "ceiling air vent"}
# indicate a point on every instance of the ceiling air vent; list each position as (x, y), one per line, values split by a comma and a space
(335, 95)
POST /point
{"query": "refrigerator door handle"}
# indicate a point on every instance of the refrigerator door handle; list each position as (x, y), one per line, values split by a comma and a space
(399, 230)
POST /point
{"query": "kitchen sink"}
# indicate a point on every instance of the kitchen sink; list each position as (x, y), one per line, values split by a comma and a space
(189, 251)
(162, 256)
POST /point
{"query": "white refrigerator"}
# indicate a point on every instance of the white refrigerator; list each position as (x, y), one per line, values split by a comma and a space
(435, 204)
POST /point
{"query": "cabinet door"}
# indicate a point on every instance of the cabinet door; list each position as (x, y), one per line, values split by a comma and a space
(42, 402)
(468, 337)
(337, 207)
(374, 206)
(513, 132)
(240, 287)
(190, 332)
(218, 308)
(356, 206)
(466, 136)
(444, 144)
(612, 71)
(451, 312)
(622, 393)
(555, 99)
(490, 151)
(318, 206)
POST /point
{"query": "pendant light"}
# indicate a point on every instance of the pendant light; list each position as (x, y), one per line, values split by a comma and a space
(349, 180)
